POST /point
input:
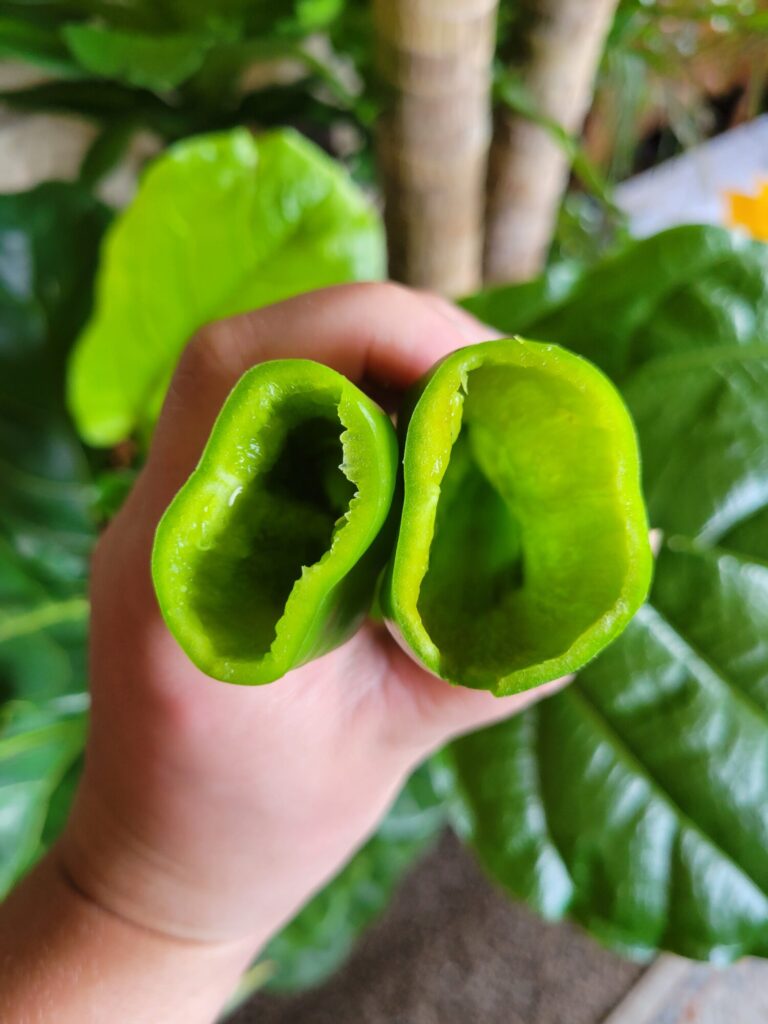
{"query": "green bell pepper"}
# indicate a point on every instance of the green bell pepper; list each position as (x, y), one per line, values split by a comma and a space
(523, 543)
(269, 555)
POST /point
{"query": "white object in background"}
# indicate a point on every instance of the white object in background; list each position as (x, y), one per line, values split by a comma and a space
(676, 991)
(40, 147)
(690, 189)
(37, 147)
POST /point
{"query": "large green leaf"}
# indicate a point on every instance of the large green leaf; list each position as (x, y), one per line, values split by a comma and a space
(684, 288)
(25, 40)
(222, 224)
(321, 936)
(151, 60)
(49, 240)
(42, 633)
(48, 246)
(635, 800)
(35, 753)
(159, 46)
(47, 495)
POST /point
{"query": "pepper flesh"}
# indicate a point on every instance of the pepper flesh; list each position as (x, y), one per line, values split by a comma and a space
(523, 542)
(269, 554)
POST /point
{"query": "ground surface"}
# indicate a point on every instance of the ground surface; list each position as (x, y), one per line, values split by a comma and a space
(454, 950)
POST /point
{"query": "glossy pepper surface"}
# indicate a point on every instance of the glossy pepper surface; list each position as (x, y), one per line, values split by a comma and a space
(268, 556)
(523, 542)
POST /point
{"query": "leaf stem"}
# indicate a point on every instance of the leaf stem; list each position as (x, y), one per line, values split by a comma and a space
(72, 609)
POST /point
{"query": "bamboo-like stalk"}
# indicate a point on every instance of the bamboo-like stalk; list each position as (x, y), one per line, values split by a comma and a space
(559, 48)
(435, 57)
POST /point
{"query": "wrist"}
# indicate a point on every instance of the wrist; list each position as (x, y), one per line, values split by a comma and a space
(238, 952)
(179, 875)
(112, 860)
(59, 947)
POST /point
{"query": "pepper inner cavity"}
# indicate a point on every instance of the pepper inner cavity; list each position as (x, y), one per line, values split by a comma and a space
(476, 560)
(282, 520)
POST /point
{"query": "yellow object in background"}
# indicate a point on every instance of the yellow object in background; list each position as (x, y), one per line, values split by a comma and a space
(750, 212)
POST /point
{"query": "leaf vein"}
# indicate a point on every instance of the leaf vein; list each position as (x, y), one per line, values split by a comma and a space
(630, 755)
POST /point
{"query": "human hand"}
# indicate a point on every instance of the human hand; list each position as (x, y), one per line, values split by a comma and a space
(208, 811)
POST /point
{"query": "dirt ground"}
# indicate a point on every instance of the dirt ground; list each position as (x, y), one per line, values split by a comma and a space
(454, 950)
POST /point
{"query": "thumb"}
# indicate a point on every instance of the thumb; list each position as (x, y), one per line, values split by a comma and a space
(432, 711)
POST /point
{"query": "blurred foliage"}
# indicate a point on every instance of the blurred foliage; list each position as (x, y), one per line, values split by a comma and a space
(49, 242)
(185, 66)
(668, 64)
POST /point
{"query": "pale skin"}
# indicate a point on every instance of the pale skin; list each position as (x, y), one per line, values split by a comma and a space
(209, 813)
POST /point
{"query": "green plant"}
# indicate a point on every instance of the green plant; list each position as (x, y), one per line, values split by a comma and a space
(179, 68)
(50, 240)
(633, 800)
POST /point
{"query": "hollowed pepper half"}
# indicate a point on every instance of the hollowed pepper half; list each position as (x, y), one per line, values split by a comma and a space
(523, 543)
(269, 555)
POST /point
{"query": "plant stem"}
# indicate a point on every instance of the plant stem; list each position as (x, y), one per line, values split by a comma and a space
(558, 47)
(72, 609)
(433, 138)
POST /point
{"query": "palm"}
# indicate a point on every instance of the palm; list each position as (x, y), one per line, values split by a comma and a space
(318, 754)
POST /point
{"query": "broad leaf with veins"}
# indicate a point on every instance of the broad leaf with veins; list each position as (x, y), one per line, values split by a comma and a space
(635, 800)
(222, 224)
(48, 246)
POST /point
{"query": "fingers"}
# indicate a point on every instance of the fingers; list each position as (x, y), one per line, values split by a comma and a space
(461, 318)
(369, 332)
(432, 712)
(464, 710)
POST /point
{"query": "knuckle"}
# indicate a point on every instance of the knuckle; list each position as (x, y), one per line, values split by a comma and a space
(203, 362)
(385, 291)
(356, 293)
(202, 352)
